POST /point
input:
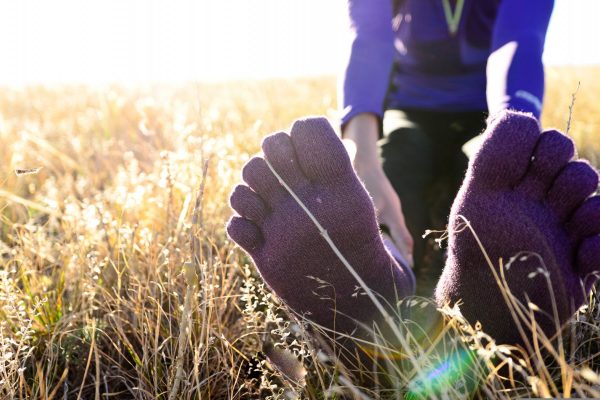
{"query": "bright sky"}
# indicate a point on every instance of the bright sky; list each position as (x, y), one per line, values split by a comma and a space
(141, 41)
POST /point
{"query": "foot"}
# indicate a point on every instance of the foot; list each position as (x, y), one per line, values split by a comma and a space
(523, 195)
(291, 255)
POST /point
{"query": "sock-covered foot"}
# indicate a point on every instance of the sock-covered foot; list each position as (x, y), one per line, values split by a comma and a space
(292, 256)
(523, 195)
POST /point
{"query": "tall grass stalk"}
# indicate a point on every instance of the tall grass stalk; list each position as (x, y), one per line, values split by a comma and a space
(101, 247)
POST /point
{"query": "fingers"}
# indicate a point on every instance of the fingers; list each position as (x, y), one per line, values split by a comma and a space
(389, 211)
(404, 241)
(392, 217)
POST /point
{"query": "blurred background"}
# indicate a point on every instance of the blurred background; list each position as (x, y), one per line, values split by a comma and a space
(141, 41)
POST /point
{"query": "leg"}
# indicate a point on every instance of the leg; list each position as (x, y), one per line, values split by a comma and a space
(407, 157)
(521, 193)
(448, 132)
(292, 256)
(422, 156)
(526, 200)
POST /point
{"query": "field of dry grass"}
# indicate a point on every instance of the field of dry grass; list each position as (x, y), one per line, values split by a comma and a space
(116, 284)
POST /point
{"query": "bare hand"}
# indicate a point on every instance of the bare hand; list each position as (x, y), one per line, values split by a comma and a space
(361, 134)
(388, 208)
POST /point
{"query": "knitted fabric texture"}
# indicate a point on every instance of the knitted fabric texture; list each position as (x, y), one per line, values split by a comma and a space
(291, 255)
(528, 202)
(524, 196)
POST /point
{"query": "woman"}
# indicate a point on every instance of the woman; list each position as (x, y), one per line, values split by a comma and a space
(421, 77)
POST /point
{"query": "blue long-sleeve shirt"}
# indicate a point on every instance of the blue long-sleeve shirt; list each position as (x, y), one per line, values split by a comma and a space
(403, 55)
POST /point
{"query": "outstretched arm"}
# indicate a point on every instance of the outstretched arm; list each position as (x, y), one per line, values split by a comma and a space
(515, 73)
(363, 92)
(366, 76)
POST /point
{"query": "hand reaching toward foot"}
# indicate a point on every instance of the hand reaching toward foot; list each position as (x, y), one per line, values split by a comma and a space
(362, 131)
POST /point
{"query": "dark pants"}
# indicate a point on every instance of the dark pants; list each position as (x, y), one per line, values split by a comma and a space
(422, 156)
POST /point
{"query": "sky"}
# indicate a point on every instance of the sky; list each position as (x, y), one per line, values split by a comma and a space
(144, 41)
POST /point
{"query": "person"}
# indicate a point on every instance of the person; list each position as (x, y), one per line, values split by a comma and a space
(306, 220)
(421, 78)
(524, 222)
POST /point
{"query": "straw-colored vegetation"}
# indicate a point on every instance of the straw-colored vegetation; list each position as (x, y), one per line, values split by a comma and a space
(116, 284)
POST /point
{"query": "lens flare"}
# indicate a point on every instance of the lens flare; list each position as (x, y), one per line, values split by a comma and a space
(452, 374)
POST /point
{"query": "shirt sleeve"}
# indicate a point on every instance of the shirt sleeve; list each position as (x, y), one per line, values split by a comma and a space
(515, 73)
(365, 79)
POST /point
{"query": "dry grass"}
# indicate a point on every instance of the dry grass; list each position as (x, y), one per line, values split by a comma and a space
(104, 293)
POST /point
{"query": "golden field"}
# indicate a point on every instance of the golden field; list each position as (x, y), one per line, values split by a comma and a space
(115, 283)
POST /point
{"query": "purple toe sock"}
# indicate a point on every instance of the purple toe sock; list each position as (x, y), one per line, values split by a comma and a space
(286, 246)
(522, 195)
